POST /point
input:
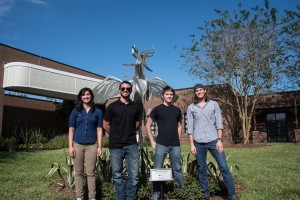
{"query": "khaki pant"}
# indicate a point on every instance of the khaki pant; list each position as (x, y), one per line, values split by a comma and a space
(85, 154)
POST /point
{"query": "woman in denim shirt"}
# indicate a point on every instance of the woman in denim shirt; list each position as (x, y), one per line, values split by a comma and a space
(85, 139)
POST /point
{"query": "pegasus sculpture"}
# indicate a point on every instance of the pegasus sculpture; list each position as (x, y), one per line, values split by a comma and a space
(142, 89)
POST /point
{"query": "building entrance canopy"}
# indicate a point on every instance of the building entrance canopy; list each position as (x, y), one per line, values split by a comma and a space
(44, 81)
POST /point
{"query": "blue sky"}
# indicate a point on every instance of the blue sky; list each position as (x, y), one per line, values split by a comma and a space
(96, 35)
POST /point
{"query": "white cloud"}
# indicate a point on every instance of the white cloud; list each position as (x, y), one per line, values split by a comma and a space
(6, 6)
(40, 2)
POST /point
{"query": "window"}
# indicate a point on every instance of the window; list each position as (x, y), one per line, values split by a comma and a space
(277, 127)
(154, 129)
(185, 123)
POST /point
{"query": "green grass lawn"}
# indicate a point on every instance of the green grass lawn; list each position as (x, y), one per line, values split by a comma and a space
(269, 172)
(22, 175)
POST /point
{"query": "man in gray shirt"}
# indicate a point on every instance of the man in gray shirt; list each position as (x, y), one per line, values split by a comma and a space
(205, 126)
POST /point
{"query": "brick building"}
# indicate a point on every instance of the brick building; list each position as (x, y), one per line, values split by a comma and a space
(277, 118)
(276, 115)
(26, 112)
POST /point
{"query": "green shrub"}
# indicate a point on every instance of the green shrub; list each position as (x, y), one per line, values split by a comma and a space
(147, 141)
(24, 135)
(191, 191)
(68, 178)
(106, 191)
(144, 189)
(59, 142)
(105, 142)
(33, 147)
(103, 168)
(147, 157)
(189, 164)
(8, 144)
(216, 177)
(31, 136)
(32, 139)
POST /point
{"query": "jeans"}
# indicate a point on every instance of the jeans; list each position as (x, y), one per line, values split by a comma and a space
(175, 157)
(125, 188)
(202, 149)
(85, 154)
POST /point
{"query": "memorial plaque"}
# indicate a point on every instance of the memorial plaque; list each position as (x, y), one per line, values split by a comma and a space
(162, 174)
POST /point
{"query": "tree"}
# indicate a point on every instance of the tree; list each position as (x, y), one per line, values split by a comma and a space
(244, 49)
(291, 39)
(63, 111)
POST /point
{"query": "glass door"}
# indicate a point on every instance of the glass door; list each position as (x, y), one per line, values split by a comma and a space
(276, 127)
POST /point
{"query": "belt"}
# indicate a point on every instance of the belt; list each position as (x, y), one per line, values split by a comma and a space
(86, 143)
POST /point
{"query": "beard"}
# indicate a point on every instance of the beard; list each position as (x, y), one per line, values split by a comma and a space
(125, 96)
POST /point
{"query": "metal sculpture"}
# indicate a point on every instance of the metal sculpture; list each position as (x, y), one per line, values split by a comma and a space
(140, 63)
(142, 90)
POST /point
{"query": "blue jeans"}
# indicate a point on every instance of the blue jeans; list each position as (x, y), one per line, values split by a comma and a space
(175, 157)
(202, 149)
(125, 188)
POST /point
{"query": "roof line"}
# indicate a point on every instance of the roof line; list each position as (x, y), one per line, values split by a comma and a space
(51, 60)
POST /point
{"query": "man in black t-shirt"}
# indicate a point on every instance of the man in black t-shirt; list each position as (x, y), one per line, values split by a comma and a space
(121, 121)
(168, 118)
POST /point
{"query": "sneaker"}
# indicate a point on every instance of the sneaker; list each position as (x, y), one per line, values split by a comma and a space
(155, 197)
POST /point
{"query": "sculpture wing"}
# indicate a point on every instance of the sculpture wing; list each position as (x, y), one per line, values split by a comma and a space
(139, 87)
(148, 53)
(155, 87)
(108, 88)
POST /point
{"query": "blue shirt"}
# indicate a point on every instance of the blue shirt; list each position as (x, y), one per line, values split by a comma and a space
(204, 122)
(85, 124)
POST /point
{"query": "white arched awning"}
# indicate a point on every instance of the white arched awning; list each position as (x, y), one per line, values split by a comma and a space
(44, 81)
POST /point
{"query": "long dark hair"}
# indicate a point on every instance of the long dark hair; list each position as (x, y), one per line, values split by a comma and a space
(195, 98)
(79, 104)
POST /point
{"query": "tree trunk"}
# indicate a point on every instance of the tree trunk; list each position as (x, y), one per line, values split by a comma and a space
(246, 126)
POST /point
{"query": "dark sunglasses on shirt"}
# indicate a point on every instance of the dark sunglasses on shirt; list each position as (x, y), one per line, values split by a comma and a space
(125, 88)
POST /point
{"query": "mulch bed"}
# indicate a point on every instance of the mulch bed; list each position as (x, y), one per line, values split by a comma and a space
(239, 186)
(70, 193)
(63, 191)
